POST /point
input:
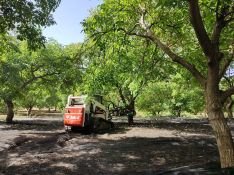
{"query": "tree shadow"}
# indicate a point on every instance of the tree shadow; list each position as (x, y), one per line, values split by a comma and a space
(75, 153)
(33, 124)
(182, 127)
(191, 126)
(89, 154)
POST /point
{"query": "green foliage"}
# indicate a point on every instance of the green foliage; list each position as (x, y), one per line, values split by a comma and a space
(51, 98)
(122, 22)
(31, 97)
(168, 20)
(123, 66)
(26, 18)
(155, 98)
(40, 96)
(185, 96)
(27, 75)
(2, 107)
(175, 96)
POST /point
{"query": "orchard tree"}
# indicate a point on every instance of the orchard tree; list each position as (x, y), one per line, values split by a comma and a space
(173, 95)
(196, 34)
(185, 97)
(41, 96)
(21, 68)
(30, 97)
(119, 66)
(154, 98)
(53, 99)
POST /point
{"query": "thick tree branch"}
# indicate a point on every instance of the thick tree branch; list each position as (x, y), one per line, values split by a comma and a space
(143, 82)
(121, 94)
(219, 25)
(150, 35)
(202, 36)
(34, 78)
(134, 33)
(217, 9)
(128, 95)
(227, 94)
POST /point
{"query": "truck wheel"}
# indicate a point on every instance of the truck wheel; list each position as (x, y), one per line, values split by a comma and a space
(75, 129)
(101, 125)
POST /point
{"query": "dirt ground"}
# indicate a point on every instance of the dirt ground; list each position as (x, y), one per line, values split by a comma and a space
(165, 146)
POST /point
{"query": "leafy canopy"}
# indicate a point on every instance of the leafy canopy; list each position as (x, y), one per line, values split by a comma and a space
(25, 18)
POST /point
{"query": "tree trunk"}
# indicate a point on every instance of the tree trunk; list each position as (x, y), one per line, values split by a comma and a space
(178, 112)
(220, 127)
(30, 110)
(10, 110)
(131, 112)
(223, 137)
(229, 105)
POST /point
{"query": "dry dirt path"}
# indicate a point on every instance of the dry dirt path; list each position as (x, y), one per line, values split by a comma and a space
(149, 147)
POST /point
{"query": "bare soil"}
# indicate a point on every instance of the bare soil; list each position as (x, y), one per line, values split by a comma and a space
(166, 146)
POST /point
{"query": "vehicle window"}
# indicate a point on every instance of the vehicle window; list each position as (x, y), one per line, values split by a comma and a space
(77, 101)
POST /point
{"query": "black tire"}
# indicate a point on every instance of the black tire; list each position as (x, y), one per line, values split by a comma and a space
(75, 129)
(98, 124)
(87, 120)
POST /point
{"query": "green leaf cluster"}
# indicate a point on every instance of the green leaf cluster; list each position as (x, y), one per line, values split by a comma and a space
(25, 18)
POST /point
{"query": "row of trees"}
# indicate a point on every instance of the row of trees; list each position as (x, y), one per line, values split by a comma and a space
(171, 96)
(131, 79)
(158, 55)
(44, 77)
(196, 35)
(36, 78)
(20, 67)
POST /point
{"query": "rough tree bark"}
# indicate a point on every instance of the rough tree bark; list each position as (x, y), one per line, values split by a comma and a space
(221, 131)
(30, 110)
(214, 99)
(10, 110)
(215, 114)
(131, 112)
(228, 106)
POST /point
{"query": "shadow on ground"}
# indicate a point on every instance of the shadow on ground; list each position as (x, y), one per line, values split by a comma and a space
(180, 127)
(87, 154)
(58, 152)
(33, 124)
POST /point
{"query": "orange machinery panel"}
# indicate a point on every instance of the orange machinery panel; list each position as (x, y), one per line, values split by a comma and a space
(74, 116)
(74, 110)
